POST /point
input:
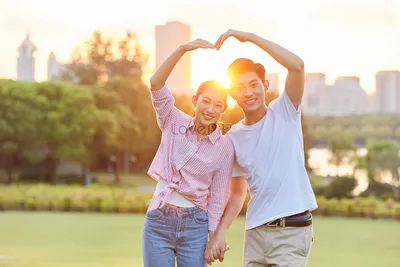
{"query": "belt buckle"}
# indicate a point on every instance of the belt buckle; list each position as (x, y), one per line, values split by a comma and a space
(171, 206)
(280, 223)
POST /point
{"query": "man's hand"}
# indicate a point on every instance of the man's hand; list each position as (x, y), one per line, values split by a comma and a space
(239, 35)
(198, 43)
(216, 248)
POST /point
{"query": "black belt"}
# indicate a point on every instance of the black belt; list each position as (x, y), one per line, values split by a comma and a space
(297, 220)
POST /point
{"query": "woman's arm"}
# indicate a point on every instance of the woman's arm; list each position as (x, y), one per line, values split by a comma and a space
(161, 75)
(162, 98)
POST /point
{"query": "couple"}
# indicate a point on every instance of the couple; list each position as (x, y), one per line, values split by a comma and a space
(203, 176)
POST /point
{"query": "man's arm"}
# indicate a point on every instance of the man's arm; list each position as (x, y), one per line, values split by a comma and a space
(294, 85)
(217, 245)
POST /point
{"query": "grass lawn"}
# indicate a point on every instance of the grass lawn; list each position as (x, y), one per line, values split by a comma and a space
(43, 239)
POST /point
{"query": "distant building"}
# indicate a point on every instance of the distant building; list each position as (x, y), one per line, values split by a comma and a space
(54, 68)
(26, 60)
(314, 88)
(387, 94)
(169, 37)
(345, 97)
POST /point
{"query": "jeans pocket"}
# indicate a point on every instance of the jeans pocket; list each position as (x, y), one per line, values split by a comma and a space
(201, 217)
(154, 214)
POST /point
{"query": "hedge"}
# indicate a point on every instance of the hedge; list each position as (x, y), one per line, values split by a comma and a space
(101, 198)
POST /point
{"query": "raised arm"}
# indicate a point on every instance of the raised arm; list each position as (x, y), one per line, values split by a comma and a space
(162, 98)
(161, 75)
(294, 85)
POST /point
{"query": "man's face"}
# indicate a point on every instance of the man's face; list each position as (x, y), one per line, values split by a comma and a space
(249, 91)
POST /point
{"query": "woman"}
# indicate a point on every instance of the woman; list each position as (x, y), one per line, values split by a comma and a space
(193, 167)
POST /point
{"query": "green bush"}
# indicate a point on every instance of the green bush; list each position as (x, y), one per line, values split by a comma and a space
(77, 198)
(340, 187)
(396, 212)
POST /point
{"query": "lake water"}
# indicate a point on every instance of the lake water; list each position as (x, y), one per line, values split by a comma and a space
(319, 161)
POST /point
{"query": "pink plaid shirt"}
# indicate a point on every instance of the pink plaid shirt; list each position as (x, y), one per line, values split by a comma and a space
(200, 170)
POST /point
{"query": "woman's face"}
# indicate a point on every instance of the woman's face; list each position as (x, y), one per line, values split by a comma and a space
(209, 106)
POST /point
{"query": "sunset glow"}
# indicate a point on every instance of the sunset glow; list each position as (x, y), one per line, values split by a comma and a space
(334, 37)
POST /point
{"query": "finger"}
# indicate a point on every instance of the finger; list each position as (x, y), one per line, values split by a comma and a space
(215, 252)
(208, 260)
(206, 44)
(221, 41)
(222, 256)
(218, 41)
(211, 256)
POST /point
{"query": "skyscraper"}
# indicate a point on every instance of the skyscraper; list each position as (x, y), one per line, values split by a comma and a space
(387, 95)
(314, 88)
(54, 68)
(26, 60)
(168, 38)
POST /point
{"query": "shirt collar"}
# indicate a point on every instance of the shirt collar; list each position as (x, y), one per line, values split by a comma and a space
(213, 136)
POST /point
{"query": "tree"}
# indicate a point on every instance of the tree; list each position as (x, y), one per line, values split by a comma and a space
(117, 66)
(183, 102)
(67, 123)
(102, 58)
(140, 117)
(341, 148)
(307, 140)
(397, 132)
(382, 156)
(320, 132)
(20, 116)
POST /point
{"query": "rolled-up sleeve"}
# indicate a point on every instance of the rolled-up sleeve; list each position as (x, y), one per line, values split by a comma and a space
(219, 191)
(163, 103)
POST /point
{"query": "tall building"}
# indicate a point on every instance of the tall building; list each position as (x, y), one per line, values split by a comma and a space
(387, 94)
(314, 89)
(26, 60)
(54, 68)
(345, 97)
(168, 38)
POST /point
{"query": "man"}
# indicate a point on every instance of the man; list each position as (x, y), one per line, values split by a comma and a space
(269, 149)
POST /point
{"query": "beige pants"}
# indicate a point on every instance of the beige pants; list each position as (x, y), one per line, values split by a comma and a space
(277, 246)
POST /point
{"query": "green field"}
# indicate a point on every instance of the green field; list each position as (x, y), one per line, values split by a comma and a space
(44, 239)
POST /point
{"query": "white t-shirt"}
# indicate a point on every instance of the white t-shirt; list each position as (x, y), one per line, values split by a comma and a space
(174, 198)
(270, 153)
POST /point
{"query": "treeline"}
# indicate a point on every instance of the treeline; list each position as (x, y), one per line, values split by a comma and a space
(360, 128)
(99, 110)
(42, 124)
(98, 115)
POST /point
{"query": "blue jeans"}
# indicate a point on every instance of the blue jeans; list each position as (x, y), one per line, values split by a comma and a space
(175, 234)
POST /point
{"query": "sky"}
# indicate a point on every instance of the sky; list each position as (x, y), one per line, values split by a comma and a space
(337, 37)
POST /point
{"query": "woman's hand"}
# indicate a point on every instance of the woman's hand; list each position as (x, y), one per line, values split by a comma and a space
(198, 43)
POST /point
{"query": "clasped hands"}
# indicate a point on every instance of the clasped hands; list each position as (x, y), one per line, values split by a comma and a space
(200, 43)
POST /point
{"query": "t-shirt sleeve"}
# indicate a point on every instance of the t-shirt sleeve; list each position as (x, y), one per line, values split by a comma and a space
(237, 171)
(284, 106)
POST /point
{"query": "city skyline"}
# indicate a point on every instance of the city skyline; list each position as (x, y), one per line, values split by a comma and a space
(339, 38)
(344, 97)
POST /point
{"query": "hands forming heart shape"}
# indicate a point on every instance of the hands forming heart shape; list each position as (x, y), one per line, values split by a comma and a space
(200, 43)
